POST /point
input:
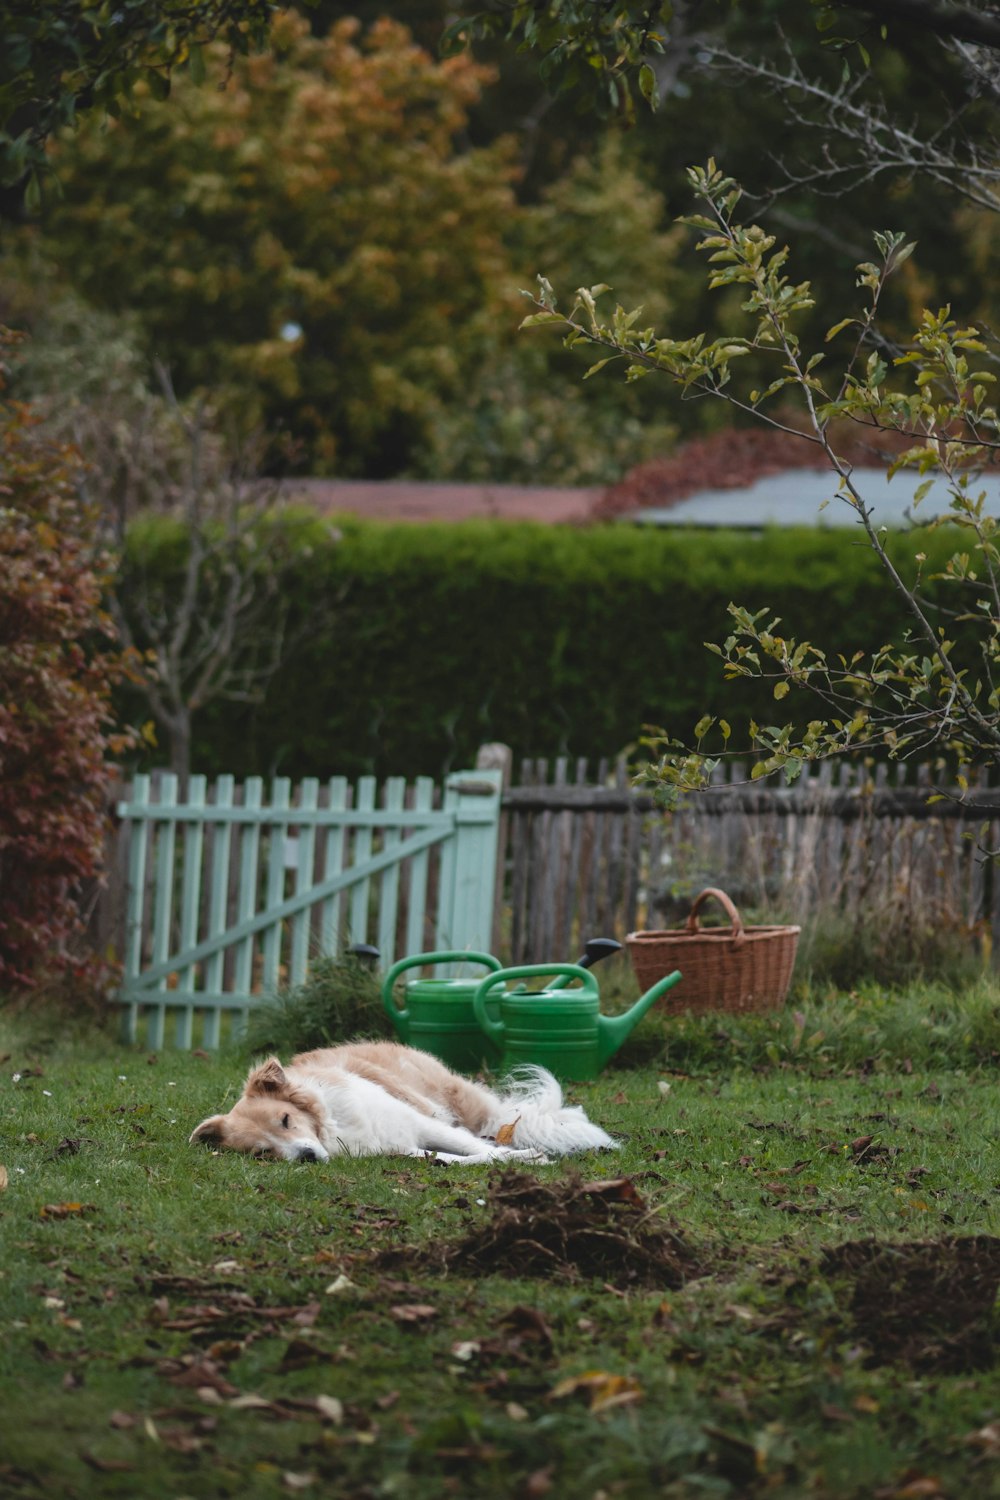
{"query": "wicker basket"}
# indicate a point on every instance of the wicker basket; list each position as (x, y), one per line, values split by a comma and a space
(730, 969)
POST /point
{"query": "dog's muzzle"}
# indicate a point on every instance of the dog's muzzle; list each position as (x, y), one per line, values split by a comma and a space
(307, 1151)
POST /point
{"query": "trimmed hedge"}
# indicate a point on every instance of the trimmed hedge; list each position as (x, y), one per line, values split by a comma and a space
(422, 642)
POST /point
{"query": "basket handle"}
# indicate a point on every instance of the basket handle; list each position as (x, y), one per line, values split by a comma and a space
(739, 936)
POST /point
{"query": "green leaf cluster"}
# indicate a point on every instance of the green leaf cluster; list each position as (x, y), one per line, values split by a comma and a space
(59, 58)
(936, 688)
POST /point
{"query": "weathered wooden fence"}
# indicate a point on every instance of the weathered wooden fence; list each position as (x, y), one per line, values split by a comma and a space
(586, 854)
(218, 899)
(228, 892)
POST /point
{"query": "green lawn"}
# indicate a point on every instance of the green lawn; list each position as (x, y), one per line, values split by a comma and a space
(728, 1322)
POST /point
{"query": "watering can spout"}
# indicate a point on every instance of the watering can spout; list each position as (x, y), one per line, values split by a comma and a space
(612, 1031)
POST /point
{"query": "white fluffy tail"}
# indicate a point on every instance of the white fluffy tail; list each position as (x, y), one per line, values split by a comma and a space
(532, 1102)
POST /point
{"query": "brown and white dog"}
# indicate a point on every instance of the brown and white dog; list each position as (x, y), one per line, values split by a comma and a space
(381, 1098)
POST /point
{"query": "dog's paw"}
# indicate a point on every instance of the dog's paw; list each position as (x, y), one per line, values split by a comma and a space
(520, 1153)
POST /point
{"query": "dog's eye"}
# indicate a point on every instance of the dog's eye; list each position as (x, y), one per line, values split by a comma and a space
(284, 1122)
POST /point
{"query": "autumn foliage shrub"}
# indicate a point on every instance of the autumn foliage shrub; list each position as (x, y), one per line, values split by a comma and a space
(59, 662)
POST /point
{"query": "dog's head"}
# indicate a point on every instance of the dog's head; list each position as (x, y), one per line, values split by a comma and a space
(273, 1118)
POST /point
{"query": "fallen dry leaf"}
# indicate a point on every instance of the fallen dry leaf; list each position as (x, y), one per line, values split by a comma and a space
(332, 1408)
(64, 1210)
(68, 1146)
(615, 1190)
(413, 1312)
(298, 1481)
(601, 1389)
(987, 1439)
(106, 1465)
(3, 1178)
(539, 1483)
(505, 1135)
(527, 1323)
(913, 1487)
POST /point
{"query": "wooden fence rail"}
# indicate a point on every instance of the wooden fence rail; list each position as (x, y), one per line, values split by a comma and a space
(585, 853)
(222, 897)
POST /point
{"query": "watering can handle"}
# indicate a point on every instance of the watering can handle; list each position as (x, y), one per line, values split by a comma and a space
(495, 1029)
(419, 961)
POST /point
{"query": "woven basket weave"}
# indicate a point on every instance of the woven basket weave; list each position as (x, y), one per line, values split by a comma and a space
(733, 968)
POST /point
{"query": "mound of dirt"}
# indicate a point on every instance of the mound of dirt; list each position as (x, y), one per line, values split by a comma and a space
(571, 1228)
(926, 1303)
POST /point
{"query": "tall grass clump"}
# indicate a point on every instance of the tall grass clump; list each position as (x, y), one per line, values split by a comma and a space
(340, 1000)
(891, 944)
(871, 1028)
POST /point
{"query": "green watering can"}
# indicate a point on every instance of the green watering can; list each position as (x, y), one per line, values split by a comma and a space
(438, 1016)
(560, 1029)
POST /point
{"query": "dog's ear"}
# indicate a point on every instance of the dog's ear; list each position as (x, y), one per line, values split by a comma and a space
(268, 1078)
(209, 1133)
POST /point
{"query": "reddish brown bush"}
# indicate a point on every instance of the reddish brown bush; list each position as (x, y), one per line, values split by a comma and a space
(59, 661)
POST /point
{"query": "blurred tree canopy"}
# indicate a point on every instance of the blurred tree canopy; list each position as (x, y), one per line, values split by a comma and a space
(307, 236)
(334, 240)
(60, 58)
(318, 246)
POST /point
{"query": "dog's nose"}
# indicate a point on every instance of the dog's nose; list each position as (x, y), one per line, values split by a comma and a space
(307, 1154)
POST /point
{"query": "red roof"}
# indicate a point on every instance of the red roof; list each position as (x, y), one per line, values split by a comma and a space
(413, 500)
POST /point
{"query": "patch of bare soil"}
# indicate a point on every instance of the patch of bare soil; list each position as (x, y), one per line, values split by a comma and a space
(928, 1303)
(569, 1228)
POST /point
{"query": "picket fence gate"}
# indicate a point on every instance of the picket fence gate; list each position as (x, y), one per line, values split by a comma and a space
(228, 894)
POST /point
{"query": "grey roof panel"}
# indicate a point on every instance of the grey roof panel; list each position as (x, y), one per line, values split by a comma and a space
(795, 498)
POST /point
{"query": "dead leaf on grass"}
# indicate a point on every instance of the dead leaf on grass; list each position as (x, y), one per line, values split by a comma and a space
(68, 1146)
(913, 1486)
(331, 1408)
(987, 1440)
(299, 1353)
(65, 1210)
(106, 1465)
(413, 1312)
(602, 1389)
(3, 1178)
(527, 1323)
(294, 1481)
(201, 1374)
(122, 1420)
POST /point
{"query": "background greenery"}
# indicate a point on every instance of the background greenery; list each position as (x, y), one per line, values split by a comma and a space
(433, 640)
(389, 204)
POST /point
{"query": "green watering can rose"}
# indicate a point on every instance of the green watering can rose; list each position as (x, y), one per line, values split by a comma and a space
(560, 1029)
